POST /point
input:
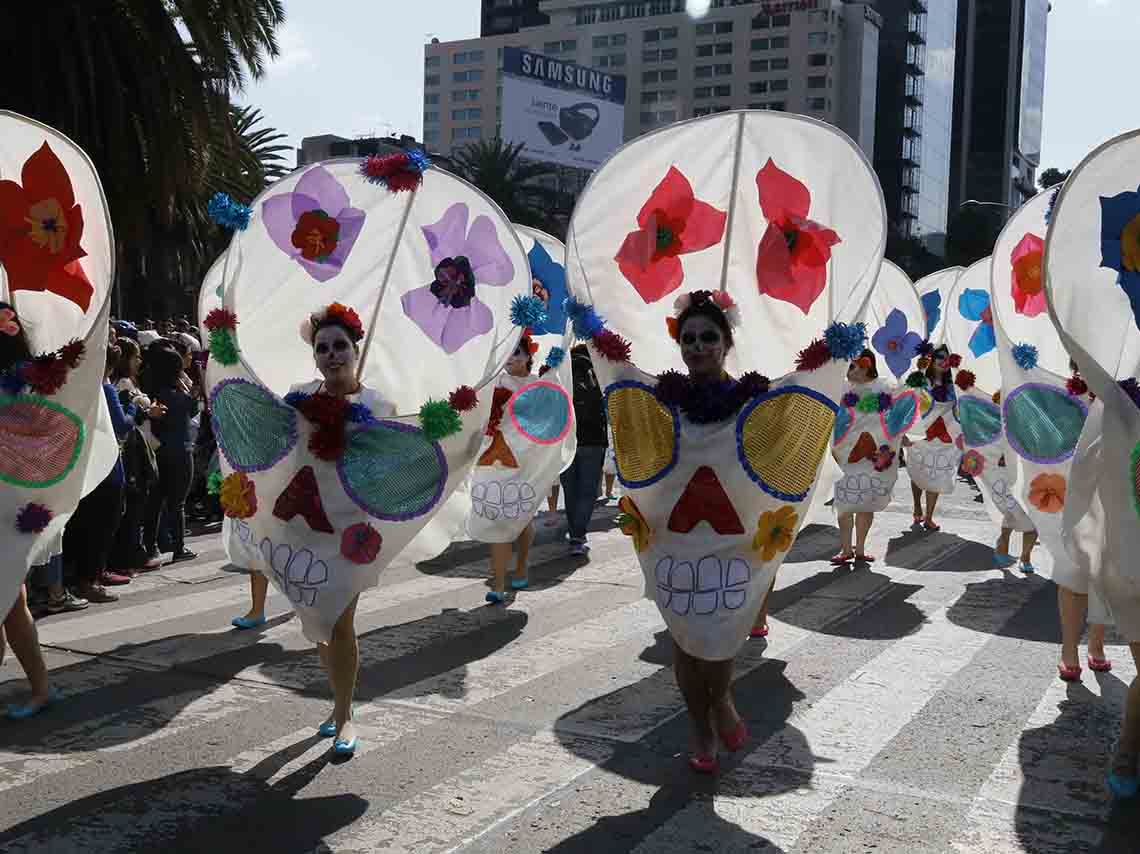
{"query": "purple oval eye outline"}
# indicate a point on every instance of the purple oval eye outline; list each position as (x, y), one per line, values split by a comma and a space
(1016, 444)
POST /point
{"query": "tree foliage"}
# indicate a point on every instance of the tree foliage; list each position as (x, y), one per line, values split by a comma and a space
(497, 168)
(1051, 177)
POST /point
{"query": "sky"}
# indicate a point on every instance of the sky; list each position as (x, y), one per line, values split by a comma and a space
(351, 68)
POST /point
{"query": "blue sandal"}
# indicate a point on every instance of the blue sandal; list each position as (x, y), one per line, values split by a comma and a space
(520, 583)
(495, 598)
(247, 623)
(1123, 787)
(23, 711)
(344, 747)
(1027, 568)
(327, 729)
(1002, 561)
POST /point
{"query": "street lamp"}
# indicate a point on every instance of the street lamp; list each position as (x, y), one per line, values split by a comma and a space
(983, 204)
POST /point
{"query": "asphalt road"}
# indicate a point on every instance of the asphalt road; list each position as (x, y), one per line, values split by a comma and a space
(912, 706)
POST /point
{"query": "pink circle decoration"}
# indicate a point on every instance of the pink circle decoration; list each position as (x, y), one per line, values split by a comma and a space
(542, 412)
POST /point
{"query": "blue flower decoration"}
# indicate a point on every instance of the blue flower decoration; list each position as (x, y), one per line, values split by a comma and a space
(1120, 243)
(228, 213)
(586, 322)
(527, 311)
(845, 340)
(975, 305)
(897, 344)
(1025, 355)
(554, 358)
(932, 303)
(549, 286)
(418, 160)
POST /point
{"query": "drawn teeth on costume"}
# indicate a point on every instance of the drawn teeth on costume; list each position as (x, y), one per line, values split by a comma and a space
(857, 489)
(935, 461)
(510, 499)
(1001, 495)
(299, 573)
(980, 420)
(704, 500)
(714, 584)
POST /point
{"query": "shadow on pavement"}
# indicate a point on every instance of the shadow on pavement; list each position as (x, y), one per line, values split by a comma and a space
(894, 616)
(1035, 620)
(204, 809)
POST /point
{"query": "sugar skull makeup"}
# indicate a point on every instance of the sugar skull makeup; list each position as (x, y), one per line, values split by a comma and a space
(702, 346)
(334, 353)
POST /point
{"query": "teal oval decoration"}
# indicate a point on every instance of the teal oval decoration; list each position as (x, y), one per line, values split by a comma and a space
(1042, 423)
(254, 429)
(980, 420)
(541, 412)
(843, 420)
(902, 414)
(392, 472)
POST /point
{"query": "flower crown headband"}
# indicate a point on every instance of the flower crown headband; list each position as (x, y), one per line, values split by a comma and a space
(528, 342)
(337, 312)
(720, 299)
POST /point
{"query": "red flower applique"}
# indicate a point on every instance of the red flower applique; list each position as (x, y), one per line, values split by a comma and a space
(328, 415)
(791, 263)
(316, 235)
(463, 399)
(40, 229)
(360, 543)
(672, 222)
(1028, 258)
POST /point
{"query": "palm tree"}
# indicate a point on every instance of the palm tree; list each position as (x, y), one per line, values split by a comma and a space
(497, 168)
(143, 87)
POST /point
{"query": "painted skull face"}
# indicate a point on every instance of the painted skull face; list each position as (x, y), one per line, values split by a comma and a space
(702, 346)
(335, 354)
(856, 373)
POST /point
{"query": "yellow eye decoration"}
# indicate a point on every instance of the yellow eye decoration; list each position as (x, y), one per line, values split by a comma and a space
(781, 438)
(646, 434)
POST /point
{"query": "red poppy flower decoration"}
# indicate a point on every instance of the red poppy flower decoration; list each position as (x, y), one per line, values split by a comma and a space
(672, 222)
(791, 263)
(40, 229)
(1026, 286)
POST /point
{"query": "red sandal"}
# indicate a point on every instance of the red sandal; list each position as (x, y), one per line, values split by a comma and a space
(840, 559)
(761, 632)
(1069, 674)
(1099, 665)
(735, 739)
(704, 764)
(864, 558)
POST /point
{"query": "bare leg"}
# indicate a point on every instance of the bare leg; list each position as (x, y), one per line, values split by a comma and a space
(863, 523)
(258, 590)
(1001, 547)
(552, 499)
(718, 678)
(523, 543)
(1127, 760)
(931, 503)
(1096, 640)
(691, 682)
(345, 658)
(846, 523)
(500, 557)
(22, 635)
(1072, 607)
(1028, 541)
(326, 660)
(916, 494)
(610, 485)
(762, 618)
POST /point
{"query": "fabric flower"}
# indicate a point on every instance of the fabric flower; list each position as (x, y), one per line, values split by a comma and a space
(40, 229)
(791, 262)
(1027, 287)
(884, 458)
(973, 463)
(932, 305)
(33, 518)
(671, 223)
(1047, 492)
(238, 496)
(314, 224)
(897, 344)
(549, 285)
(448, 310)
(775, 532)
(360, 543)
(633, 524)
(8, 323)
(1120, 243)
(974, 304)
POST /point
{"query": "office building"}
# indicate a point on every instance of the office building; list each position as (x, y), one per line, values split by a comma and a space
(509, 16)
(915, 115)
(998, 98)
(818, 57)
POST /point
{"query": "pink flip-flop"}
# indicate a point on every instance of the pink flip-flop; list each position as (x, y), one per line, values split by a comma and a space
(761, 632)
(1069, 674)
(1099, 665)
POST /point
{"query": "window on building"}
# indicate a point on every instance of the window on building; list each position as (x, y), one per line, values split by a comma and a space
(467, 133)
(703, 71)
(668, 33)
(569, 46)
(758, 87)
(780, 64)
(651, 97)
(431, 135)
(668, 54)
(704, 50)
(723, 48)
(601, 41)
(778, 106)
(724, 26)
(470, 76)
(758, 66)
(431, 80)
(551, 47)
(617, 40)
(666, 116)
(432, 98)
(651, 36)
(761, 44)
(723, 69)
(431, 116)
(668, 94)
(601, 62)
(818, 82)
(817, 60)
(668, 75)
(702, 92)
(650, 55)
(780, 85)
(781, 20)
(817, 104)
(650, 76)
(779, 42)
(617, 60)
(723, 91)
(817, 39)
(701, 111)
(761, 22)
(705, 29)
(432, 62)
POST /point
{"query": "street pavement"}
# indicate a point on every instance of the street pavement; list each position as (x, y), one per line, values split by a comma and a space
(912, 706)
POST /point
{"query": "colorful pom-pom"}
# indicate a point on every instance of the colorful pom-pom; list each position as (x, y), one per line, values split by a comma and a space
(925, 348)
(463, 399)
(885, 401)
(916, 379)
(965, 380)
(850, 400)
(1077, 386)
(555, 358)
(527, 311)
(585, 320)
(398, 172)
(71, 353)
(32, 518)
(868, 403)
(672, 388)
(814, 355)
(438, 420)
(45, 374)
(214, 483)
(358, 413)
(220, 318)
(227, 212)
(954, 361)
(612, 346)
(223, 347)
(845, 340)
(754, 384)
(1025, 355)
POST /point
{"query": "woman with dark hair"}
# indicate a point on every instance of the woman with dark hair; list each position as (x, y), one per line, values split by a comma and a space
(932, 463)
(139, 466)
(174, 454)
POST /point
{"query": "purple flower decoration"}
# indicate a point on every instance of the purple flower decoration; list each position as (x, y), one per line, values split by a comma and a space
(896, 343)
(314, 224)
(850, 399)
(448, 310)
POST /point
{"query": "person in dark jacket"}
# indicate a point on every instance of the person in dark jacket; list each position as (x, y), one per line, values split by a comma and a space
(580, 480)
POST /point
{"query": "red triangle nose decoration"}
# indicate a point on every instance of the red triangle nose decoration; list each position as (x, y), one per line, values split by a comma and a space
(865, 449)
(303, 496)
(704, 500)
(937, 432)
